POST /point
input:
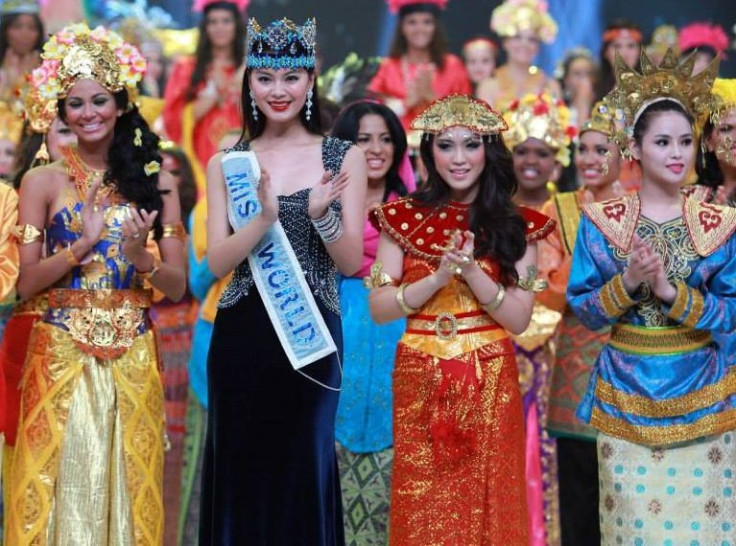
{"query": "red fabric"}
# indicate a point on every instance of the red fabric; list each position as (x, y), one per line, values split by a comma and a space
(12, 358)
(389, 82)
(214, 125)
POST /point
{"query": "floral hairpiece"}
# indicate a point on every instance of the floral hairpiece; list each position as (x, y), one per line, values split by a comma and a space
(77, 53)
(513, 16)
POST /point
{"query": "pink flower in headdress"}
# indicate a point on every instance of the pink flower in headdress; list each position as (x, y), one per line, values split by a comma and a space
(395, 5)
(138, 65)
(65, 36)
(199, 5)
(703, 34)
(39, 75)
(125, 53)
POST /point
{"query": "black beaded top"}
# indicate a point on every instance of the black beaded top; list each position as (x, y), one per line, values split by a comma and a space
(319, 269)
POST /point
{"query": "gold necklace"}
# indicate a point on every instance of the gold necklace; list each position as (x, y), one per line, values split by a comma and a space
(83, 175)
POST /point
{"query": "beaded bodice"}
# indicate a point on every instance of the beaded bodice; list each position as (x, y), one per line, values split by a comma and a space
(319, 269)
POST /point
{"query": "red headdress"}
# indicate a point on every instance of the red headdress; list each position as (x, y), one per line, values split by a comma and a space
(703, 35)
(201, 5)
(403, 6)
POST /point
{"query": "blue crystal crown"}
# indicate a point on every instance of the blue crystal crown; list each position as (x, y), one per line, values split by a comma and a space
(282, 44)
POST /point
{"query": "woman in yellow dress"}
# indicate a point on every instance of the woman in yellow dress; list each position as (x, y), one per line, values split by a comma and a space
(89, 455)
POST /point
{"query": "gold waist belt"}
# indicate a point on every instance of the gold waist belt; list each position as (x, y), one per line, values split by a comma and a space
(449, 325)
(102, 323)
(644, 340)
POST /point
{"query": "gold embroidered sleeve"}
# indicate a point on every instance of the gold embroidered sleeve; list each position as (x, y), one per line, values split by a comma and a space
(614, 297)
(175, 230)
(378, 277)
(688, 305)
(27, 234)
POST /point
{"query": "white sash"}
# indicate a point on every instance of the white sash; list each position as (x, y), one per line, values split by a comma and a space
(276, 271)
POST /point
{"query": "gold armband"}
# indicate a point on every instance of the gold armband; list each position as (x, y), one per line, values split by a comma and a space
(378, 277)
(531, 283)
(175, 230)
(27, 234)
(497, 301)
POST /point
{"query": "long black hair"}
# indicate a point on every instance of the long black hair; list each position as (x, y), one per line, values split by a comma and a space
(500, 230)
(29, 146)
(706, 163)
(187, 185)
(253, 128)
(6, 22)
(347, 126)
(438, 45)
(606, 72)
(126, 161)
(203, 53)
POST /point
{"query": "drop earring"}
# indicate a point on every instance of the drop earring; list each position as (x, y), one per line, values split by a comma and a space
(308, 111)
(253, 105)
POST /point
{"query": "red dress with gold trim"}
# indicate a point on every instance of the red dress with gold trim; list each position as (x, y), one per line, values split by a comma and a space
(458, 473)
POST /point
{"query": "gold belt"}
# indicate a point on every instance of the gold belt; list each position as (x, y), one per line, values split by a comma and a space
(448, 326)
(645, 340)
(102, 323)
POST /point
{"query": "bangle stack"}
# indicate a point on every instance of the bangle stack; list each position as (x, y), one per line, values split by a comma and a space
(329, 226)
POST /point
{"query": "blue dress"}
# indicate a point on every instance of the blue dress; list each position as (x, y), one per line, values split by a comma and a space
(270, 470)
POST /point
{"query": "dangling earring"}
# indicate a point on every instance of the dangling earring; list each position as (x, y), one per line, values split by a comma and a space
(253, 105)
(703, 151)
(308, 112)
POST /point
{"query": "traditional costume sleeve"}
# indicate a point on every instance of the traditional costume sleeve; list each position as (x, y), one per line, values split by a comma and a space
(554, 265)
(8, 248)
(201, 277)
(379, 83)
(596, 297)
(175, 97)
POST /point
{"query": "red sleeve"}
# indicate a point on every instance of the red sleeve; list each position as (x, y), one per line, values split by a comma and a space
(378, 84)
(175, 97)
(538, 225)
(456, 68)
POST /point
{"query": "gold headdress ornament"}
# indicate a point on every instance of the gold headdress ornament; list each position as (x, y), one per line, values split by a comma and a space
(38, 112)
(78, 53)
(544, 118)
(513, 16)
(459, 111)
(602, 119)
(635, 91)
(11, 123)
(725, 92)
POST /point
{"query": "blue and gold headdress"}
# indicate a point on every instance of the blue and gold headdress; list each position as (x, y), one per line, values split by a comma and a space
(282, 44)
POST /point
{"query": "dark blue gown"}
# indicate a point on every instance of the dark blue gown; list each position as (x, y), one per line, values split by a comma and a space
(270, 471)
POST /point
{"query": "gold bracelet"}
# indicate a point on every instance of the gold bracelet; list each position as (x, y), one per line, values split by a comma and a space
(71, 259)
(497, 301)
(402, 302)
(155, 266)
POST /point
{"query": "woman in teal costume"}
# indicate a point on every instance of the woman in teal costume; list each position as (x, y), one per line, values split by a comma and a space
(660, 268)
(363, 423)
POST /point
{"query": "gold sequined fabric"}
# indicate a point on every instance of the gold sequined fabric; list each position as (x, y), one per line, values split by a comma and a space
(88, 462)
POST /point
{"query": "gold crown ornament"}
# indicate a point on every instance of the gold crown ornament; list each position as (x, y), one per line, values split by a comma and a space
(671, 80)
(78, 53)
(602, 119)
(725, 92)
(11, 123)
(459, 111)
(544, 118)
(514, 16)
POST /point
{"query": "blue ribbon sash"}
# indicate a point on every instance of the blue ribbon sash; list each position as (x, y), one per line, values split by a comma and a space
(276, 271)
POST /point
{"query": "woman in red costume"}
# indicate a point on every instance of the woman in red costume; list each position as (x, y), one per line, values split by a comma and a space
(203, 92)
(457, 258)
(418, 70)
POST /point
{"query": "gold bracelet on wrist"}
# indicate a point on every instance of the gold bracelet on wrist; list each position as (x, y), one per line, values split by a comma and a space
(497, 301)
(71, 259)
(402, 302)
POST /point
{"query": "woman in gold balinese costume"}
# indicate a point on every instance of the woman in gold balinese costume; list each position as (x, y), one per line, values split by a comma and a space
(88, 459)
(456, 258)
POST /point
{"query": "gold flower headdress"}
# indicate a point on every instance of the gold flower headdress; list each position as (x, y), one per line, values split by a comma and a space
(459, 111)
(725, 92)
(76, 53)
(542, 117)
(11, 123)
(513, 16)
